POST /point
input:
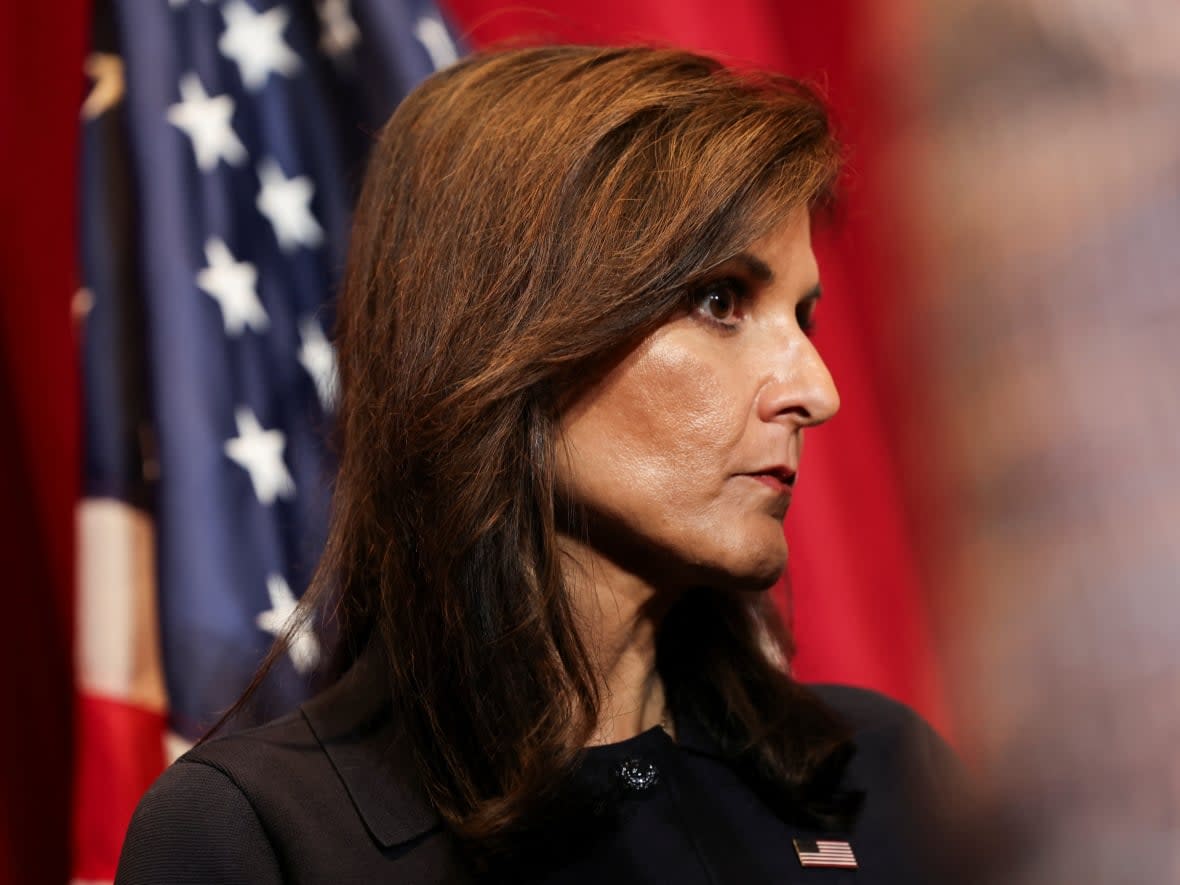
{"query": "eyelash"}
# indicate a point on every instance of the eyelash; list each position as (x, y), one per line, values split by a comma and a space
(739, 290)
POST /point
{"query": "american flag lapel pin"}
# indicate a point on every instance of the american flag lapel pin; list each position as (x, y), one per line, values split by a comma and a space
(833, 853)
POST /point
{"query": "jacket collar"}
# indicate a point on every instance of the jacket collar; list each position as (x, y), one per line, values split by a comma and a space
(354, 724)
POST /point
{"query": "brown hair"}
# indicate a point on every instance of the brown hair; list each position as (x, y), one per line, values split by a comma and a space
(525, 215)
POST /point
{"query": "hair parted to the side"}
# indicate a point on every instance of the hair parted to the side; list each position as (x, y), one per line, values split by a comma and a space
(526, 214)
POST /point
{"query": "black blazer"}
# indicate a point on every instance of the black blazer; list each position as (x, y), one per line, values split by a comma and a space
(319, 796)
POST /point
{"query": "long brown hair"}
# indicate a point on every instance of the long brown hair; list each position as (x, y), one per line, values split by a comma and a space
(527, 214)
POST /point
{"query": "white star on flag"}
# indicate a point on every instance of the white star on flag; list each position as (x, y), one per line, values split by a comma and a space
(255, 41)
(304, 648)
(231, 284)
(206, 120)
(432, 34)
(286, 203)
(260, 453)
(339, 30)
(106, 71)
(318, 357)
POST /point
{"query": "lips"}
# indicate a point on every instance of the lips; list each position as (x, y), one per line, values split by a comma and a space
(780, 479)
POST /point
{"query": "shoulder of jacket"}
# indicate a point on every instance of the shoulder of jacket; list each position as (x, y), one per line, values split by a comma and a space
(196, 824)
(281, 757)
(193, 784)
(343, 746)
(895, 745)
(868, 711)
(889, 734)
(289, 733)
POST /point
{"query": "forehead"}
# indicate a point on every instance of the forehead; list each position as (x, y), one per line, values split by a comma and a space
(786, 249)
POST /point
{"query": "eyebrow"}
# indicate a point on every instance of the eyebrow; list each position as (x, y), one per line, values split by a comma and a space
(760, 272)
(758, 269)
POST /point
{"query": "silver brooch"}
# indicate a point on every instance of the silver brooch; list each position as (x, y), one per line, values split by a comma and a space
(637, 775)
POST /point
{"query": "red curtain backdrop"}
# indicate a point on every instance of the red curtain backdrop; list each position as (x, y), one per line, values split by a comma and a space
(41, 50)
(858, 609)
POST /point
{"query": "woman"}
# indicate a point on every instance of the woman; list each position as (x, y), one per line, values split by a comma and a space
(575, 373)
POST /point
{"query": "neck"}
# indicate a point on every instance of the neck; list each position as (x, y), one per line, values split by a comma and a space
(620, 614)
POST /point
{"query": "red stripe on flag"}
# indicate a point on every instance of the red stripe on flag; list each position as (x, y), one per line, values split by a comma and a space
(120, 752)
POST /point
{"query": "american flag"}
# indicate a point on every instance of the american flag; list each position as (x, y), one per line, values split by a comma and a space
(833, 853)
(223, 142)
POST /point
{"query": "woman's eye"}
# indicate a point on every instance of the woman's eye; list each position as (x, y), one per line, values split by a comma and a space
(805, 317)
(720, 302)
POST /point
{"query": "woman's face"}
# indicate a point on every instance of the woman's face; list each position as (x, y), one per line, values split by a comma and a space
(685, 453)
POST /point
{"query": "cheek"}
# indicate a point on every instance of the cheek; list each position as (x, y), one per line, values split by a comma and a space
(668, 420)
(651, 452)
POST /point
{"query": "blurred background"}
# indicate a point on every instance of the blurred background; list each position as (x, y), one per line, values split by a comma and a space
(987, 532)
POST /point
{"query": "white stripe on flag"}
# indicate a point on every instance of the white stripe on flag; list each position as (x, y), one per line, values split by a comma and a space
(118, 633)
(175, 746)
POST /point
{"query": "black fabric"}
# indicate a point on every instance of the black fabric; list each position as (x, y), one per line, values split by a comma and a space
(325, 795)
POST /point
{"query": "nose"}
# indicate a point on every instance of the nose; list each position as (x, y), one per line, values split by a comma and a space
(802, 389)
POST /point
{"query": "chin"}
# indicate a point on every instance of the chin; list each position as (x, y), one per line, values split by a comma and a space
(762, 579)
(756, 567)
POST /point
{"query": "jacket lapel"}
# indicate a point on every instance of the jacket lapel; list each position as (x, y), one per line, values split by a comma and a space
(353, 722)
